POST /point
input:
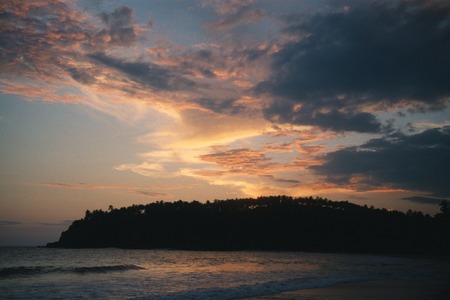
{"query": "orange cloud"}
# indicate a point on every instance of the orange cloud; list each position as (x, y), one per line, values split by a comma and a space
(240, 160)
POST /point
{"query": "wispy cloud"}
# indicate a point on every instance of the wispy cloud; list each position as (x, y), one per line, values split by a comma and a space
(424, 200)
(153, 194)
(234, 13)
(9, 223)
(62, 223)
(243, 17)
(145, 169)
(142, 190)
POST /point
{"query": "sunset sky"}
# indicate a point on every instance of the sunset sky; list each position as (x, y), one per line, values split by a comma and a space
(130, 102)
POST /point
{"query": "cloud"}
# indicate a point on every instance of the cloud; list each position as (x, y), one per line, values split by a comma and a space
(35, 36)
(145, 169)
(260, 163)
(274, 166)
(411, 162)
(234, 13)
(281, 180)
(202, 129)
(153, 194)
(84, 186)
(52, 41)
(240, 160)
(51, 92)
(225, 66)
(9, 223)
(287, 111)
(146, 73)
(341, 67)
(138, 189)
(120, 27)
(333, 71)
(229, 106)
(243, 17)
(202, 153)
(46, 46)
(62, 223)
(228, 7)
(424, 200)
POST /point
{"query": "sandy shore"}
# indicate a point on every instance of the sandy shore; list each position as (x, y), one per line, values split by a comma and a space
(416, 289)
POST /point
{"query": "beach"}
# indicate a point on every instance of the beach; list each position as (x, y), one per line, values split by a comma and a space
(414, 289)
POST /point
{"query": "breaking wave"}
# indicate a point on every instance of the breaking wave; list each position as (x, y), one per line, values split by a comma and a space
(40, 270)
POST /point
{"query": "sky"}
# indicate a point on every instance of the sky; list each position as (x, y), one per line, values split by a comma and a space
(112, 102)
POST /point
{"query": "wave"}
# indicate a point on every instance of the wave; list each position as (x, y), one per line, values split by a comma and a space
(40, 270)
(106, 269)
(255, 290)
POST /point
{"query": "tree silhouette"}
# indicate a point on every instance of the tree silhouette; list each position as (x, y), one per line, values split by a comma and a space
(445, 207)
(266, 223)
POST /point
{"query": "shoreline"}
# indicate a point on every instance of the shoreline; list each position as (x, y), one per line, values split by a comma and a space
(396, 289)
(412, 255)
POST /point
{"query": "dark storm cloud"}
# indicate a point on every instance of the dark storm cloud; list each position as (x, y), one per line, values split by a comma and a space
(146, 73)
(417, 162)
(382, 54)
(285, 111)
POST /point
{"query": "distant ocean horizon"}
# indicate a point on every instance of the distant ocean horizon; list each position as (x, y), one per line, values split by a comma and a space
(42, 273)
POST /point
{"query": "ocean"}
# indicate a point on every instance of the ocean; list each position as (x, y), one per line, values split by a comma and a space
(41, 273)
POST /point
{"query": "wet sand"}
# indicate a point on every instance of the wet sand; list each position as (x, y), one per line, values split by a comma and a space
(415, 289)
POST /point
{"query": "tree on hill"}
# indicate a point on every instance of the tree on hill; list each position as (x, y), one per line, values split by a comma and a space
(265, 223)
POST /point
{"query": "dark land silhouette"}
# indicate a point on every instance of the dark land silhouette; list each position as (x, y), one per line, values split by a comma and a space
(266, 223)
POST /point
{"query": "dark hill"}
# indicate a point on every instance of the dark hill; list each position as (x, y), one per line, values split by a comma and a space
(265, 223)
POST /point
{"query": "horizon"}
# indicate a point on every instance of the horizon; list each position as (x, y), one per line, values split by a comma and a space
(131, 102)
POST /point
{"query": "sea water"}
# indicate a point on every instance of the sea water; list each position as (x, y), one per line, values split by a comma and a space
(41, 273)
